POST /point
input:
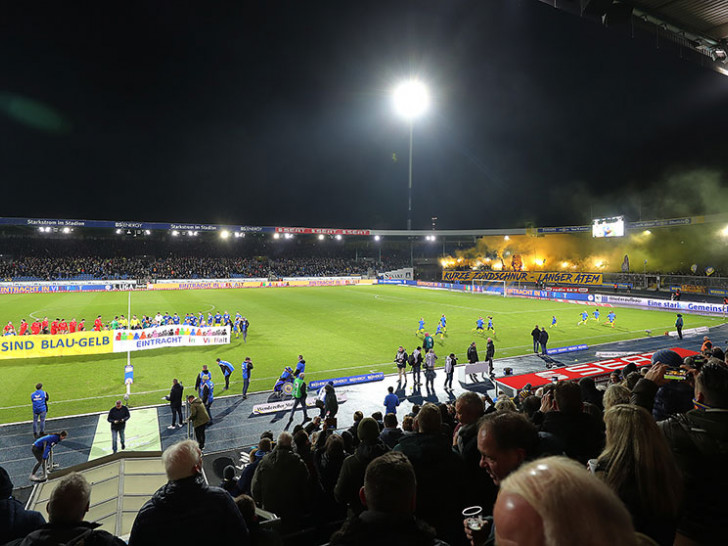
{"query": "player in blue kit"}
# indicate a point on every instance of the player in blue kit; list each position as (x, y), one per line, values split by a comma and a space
(421, 326)
(443, 322)
(175, 319)
(584, 318)
(611, 317)
(480, 325)
(553, 321)
(209, 319)
(490, 324)
(218, 318)
(225, 317)
(596, 315)
(237, 326)
(440, 330)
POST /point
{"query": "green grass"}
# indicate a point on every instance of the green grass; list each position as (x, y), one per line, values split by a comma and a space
(339, 330)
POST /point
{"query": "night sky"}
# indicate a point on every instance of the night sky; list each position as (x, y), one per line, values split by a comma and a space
(280, 113)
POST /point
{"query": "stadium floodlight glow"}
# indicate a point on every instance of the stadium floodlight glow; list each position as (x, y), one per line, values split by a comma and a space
(118, 232)
(66, 230)
(147, 232)
(321, 236)
(411, 100)
(506, 238)
(224, 234)
(288, 236)
(276, 235)
(724, 232)
(175, 233)
(377, 238)
(647, 232)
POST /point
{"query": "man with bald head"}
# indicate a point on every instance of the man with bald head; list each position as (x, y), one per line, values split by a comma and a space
(183, 509)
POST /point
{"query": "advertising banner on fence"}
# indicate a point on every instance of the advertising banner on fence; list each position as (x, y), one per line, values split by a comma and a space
(577, 371)
(169, 336)
(549, 277)
(78, 343)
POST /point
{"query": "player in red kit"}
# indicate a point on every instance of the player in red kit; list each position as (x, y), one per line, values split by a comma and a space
(54, 327)
(23, 329)
(81, 325)
(35, 327)
(63, 327)
(9, 329)
(44, 325)
(72, 325)
(98, 325)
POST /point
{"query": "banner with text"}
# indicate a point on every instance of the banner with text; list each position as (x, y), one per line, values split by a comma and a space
(552, 277)
(169, 336)
(78, 343)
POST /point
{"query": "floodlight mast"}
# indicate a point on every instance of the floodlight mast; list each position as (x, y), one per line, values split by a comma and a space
(411, 100)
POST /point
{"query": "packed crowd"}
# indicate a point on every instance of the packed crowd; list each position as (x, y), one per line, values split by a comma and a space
(185, 267)
(638, 463)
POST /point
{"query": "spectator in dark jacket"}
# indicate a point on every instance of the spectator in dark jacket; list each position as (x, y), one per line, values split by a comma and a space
(440, 475)
(328, 456)
(175, 403)
(536, 335)
(389, 492)
(15, 521)
(351, 477)
(69, 502)
(181, 509)
(699, 441)
(590, 393)
(277, 476)
(245, 482)
(391, 433)
(563, 416)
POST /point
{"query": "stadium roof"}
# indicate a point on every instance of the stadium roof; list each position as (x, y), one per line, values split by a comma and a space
(695, 29)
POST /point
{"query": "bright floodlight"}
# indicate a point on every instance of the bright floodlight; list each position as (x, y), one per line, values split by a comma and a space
(411, 99)
(224, 234)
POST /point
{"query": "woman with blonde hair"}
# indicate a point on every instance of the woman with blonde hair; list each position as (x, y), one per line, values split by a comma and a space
(638, 465)
(616, 394)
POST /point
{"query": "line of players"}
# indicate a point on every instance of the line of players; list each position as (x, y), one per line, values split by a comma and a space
(442, 326)
(238, 324)
(611, 317)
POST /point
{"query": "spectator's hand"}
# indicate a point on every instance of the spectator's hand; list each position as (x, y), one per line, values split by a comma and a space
(547, 402)
(477, 538)
(657, 374)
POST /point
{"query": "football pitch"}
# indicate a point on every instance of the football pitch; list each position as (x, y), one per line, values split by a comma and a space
(340, 331)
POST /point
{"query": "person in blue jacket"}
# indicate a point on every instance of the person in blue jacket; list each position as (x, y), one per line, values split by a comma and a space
(247, 372)
(40, 407)
(391, 401)
(227, 370)
(300, 366)
(41, 450)
(207, 393)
